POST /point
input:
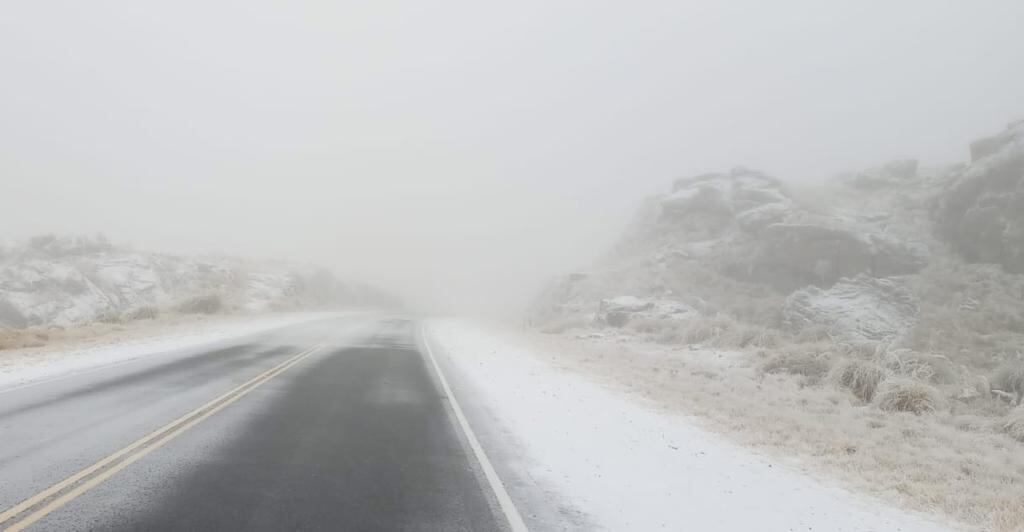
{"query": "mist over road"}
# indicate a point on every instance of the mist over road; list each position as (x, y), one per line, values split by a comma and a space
(329, 425)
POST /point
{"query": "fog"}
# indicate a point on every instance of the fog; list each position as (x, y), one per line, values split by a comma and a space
(458, 153)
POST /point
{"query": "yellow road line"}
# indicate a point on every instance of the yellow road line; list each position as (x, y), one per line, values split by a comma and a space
(140, 448)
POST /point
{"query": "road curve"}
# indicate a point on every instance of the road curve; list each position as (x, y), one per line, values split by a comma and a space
(339, 424)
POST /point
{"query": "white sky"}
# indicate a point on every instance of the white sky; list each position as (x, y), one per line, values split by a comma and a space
(452, 149)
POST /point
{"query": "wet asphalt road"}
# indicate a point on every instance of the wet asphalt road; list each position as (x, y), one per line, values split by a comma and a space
(260, 433)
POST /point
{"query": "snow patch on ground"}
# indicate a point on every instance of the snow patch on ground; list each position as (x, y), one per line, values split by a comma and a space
(629, 467)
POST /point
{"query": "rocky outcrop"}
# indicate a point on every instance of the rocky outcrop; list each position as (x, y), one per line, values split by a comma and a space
(982, 213)
(748, 223)
(858, 309)
(63, 282)
(619, 311)
(888, 175)
(717, 200)
(788, 256)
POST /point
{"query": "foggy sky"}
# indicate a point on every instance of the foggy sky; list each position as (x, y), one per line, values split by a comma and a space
(451, 149)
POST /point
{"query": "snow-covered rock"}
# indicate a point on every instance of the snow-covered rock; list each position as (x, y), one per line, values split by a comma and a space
(716, 200)
(890, 174)
(63, 282)
(862, 308)
(788, 256)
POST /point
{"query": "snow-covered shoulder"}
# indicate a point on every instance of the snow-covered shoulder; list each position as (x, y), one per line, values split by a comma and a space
(625, 466)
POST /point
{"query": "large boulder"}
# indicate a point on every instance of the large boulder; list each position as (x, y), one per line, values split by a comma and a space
(858, 309)
(982, 213)
(789, 256)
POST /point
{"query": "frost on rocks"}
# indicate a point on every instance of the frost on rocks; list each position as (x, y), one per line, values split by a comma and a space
(63, 282)
(715, 200)
(863, 308)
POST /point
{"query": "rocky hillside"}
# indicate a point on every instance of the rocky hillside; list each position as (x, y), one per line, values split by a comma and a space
(67, 281)
(918, 271)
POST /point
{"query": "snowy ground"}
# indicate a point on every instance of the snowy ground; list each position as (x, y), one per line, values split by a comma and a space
(626, 466)
(19, 367)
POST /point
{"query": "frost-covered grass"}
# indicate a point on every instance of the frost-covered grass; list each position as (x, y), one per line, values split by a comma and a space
(814, 406)
(87, 347)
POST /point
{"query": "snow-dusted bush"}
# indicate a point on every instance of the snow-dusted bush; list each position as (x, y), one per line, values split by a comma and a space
(1013, 425)
(1010, 379)
(860, 377)
(907, 395)
(925, 367)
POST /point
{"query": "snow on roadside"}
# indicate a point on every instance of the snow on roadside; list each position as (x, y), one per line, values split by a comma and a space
(23, 366)
(628, 467)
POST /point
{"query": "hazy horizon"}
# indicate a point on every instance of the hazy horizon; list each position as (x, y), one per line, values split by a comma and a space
(457, 150)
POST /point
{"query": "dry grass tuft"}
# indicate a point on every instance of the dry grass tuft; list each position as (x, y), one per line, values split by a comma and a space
(741, 336)
(907, 395)
(206, 304)
(859, 377)
(806, 363)
(22, 338)
(706, 328)
(568, 323)
(147, 312)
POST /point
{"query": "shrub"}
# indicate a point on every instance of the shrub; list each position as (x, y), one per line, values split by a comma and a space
(859, 377)
(1014, 424)
(147, 312)
(907, 395)
(805, 363)
(206, 304)
(1010, 379)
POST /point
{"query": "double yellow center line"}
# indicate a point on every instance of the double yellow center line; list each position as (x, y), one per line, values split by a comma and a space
(34, 508)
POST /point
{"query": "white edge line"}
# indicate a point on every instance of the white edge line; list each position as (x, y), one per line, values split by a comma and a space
(515, 521)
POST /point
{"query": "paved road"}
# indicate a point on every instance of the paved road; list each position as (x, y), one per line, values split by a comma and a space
(333, 425)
